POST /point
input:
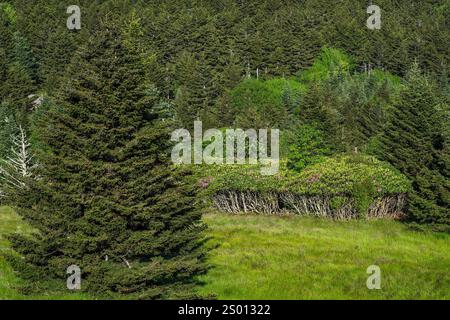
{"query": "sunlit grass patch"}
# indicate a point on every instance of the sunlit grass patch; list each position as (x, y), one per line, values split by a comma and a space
(261, 257)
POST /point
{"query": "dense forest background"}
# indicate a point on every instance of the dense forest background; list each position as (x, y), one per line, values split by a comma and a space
(202, 49)
(310, 68)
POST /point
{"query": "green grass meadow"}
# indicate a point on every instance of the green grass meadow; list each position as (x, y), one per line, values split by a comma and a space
(263, 257)
(267, 257)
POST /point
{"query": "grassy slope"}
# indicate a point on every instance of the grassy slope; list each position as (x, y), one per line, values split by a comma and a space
(300, 258)
(303, 258)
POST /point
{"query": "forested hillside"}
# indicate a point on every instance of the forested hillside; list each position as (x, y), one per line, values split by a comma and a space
(86, 117)
(202, 49)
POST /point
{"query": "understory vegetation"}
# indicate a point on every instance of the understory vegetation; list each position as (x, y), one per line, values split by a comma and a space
(343, 187)
(338, 125)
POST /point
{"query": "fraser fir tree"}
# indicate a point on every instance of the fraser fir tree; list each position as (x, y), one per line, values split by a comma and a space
(414, 142)
(107, 198)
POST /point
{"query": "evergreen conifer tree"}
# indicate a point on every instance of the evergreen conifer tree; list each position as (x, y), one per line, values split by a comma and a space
(192, 96)
(415, 144)
(107, 198)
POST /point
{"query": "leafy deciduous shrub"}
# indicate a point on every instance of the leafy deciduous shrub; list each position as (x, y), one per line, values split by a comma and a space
(342, 187)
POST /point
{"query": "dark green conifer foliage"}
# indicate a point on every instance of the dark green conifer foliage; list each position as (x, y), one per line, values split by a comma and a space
(414, 142)
(192, 96)
(18, 67)
(6, 46)
(3, 72)
(7, 22)
(17, 87)
(108, 199)
(24, 56)
(8, 128)
(318, 109)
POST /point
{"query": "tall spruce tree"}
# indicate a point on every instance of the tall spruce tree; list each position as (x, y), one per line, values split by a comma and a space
(107, 199)
(414, 142)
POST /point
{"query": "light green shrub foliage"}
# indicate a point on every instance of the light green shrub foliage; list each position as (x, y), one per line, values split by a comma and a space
(338, 202)
(9, 12)
(331, 62)
(239, 178)
(259, 103)
(358, 176)
(344, 174)
(364, 193)
(253, 92)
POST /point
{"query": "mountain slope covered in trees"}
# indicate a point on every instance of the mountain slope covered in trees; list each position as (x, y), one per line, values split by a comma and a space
(86, 117)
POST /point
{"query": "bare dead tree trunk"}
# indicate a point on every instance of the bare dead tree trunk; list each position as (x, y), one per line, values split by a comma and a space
(18, 165)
